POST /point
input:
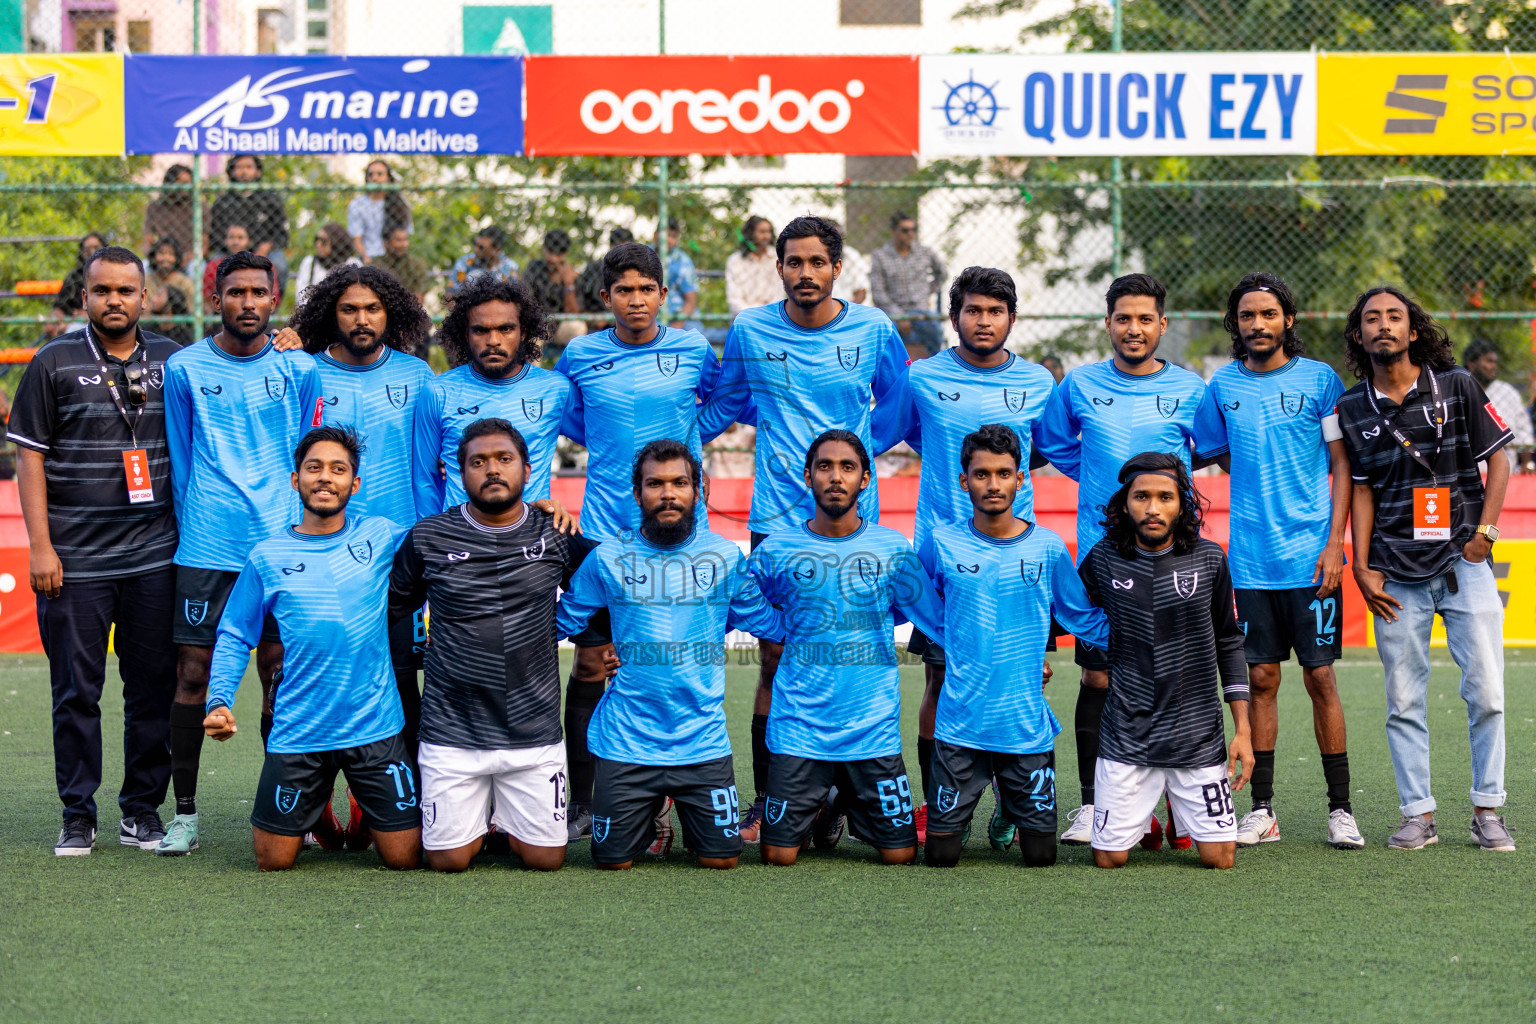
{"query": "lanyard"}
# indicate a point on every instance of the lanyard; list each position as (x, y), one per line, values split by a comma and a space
(111, 379)
(1408, 446)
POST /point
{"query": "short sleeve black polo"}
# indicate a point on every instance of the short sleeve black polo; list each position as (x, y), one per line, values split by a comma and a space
(1473, 431)
(63, 409)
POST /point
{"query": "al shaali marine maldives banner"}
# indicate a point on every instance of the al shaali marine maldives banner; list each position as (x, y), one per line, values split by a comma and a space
(323, 104)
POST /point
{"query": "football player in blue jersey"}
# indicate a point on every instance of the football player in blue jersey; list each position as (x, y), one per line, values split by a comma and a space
(1109, 411)
(1013, 576)
(236, 404)
(945, 399)
(1269, 419)
(799, 367)
(636, 382)
(326, 583)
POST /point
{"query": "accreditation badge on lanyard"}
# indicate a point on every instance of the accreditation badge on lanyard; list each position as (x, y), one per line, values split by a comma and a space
(135, 459)
(1431, 505)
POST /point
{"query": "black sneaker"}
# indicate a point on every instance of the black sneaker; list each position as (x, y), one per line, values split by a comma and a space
(828, 827)
(144, 830)
(578, 825)
(76, 838)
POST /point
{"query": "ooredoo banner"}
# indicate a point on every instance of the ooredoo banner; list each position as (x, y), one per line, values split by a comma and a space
(1119, 104)
(675, 106)
(322, 104)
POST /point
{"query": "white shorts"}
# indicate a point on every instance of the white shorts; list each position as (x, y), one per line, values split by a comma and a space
(458, 786)
(1125, 795)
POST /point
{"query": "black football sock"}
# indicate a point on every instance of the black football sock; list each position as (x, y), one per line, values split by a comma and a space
(1085, 725)
(581, 699)
(924, 764)
(186, 753)
(1336, 774)
(759, 756)
(1263, 778)
(1038, 848)
(944, 851)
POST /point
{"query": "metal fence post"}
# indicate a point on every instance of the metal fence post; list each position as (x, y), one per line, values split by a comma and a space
(662, 165)
(1116, 168)
(197, 194)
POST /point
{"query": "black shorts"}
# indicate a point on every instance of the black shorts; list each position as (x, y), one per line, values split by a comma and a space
(1026, 786)
(757, 538)
(408, 642)
(1091, 657)
(599, 631)
(1275, 621)
(200, 598)
(294, 788)
(873, 792)
(627, 797)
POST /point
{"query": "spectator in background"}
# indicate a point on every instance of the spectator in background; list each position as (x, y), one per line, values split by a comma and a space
(487, 259)
(589, 284)
(70, 303)
(752, 273)
(552, 279)
(373, 215)
(1053, 364)
(236, 239)
(852, 284)
(333, 248)
(170, 216)
(905, 278)
(261, 211)
(682, 281)
(168, 291)
(409, 270)
(1481, 358)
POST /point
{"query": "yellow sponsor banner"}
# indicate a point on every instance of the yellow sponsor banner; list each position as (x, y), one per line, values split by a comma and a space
(1514, 565)
(61, 104)
(1426, 103)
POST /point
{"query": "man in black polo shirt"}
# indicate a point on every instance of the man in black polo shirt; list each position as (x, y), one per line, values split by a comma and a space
(1424, 524)
(94, 476)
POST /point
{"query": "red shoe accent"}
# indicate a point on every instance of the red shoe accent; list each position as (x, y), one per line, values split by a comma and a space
(328, 831)
(1176, 841)
(920, 819)
(358, 836)
(1153, 840)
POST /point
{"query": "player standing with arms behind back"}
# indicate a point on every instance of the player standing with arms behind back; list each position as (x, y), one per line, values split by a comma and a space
(1268, 418)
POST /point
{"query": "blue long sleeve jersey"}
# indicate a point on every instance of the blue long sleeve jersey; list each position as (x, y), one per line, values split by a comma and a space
(329, 595)
(999, 596)
(533, 400)
(232, 424)
(946, 398)
(1276, 427)
(670, 608)
(626, 396)
(801, 382)
(1110, 415)
(379, 400)
(835, 697)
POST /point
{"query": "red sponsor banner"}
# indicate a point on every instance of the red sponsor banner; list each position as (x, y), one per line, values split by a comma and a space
(677, 106)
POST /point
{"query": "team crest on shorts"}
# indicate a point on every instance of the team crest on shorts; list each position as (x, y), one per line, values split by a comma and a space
(1186, 583)
(667, 363)
(1013, 398)
(1166, 407)
(704, 575)
(361, 552)
(1100, 818)
(397, 394)
(429, 814)
(600, 826)
(849, 357)
(277, 387)
(287, 799)
(1030, 572)
(947, 799)
(1291, 404)
(196, 611)
(774, 810)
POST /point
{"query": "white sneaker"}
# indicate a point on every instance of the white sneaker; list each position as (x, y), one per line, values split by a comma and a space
(1258, 826)
(1080, 832)
(1343, 833)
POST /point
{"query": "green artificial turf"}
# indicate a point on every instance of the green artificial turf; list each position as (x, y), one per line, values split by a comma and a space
(1298, 931)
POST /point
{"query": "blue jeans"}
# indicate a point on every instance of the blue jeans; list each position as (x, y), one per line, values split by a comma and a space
(927, 333)
(1474, 627)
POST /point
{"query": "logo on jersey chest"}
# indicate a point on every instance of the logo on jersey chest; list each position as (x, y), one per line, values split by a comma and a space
(1013, 399)
(667, 363)
(333, 400)
(290, 570)
(1291, 404)
(277, 388)
(1166, 407)
(361, 551)
(155, 378)
(196, 611)
(470, 411)
(458, 556)
(1030, 572)
(869, 573)
(1103, 401)
(1121, 584)
(848, 356)
(1186, 583)
(961, 567)
(704, 575)
(397, 394)
(93, 379)
(603, 367)
(217, 389)
(948, 396)
(533, 551)
(1230, 406)
(533, 408)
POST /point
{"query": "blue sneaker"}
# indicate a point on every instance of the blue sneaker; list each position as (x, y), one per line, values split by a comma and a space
(180, 837)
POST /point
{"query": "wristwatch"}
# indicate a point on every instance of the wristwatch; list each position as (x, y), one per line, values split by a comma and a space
(1491, 532)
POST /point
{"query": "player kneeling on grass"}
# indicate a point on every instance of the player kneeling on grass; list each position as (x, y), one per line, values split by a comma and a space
(834, 732)
(672, 590)
(1002, 579)
(1172, 632)
(325, 582)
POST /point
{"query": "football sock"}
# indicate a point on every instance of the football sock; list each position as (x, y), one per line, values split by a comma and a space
(581, 699)
(266, 730)
(759, 755)
(186, 752)
(944, 851)
(1336, 774)
(1263, 778)
(924, 761)
(1085, 725)
(1038, 848)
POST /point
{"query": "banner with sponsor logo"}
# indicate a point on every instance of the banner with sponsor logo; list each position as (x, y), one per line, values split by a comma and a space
(675, 106)
(1118, 104)
(61, 105)
(323, 104)
(1427, 103)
